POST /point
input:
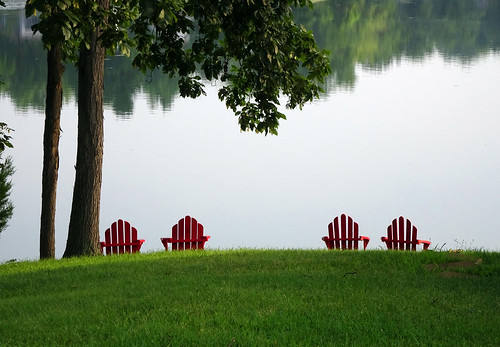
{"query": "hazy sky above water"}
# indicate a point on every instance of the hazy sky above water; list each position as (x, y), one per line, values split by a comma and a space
(418, 140)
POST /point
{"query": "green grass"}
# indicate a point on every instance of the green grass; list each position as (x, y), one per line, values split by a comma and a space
(252, 298)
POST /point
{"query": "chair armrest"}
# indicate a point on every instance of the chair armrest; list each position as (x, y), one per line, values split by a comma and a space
(170, 240)
(365, 240)
(425, 243)
(167, 240)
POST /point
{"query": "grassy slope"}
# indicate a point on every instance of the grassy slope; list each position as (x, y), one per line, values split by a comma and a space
(251, 297)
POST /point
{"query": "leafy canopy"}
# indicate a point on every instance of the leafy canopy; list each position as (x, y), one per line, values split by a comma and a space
(6, 171)
(6, 206)
(5, 137)
(253, 47)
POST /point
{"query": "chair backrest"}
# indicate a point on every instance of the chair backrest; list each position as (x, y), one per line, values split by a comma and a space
(401, 234)
(345, 235)
(119, 238)
(187, 234)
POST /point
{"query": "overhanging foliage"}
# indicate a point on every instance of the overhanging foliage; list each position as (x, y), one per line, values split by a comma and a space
(253, 46)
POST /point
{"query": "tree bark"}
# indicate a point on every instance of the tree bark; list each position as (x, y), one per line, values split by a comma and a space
(53, 105)
(83, 234)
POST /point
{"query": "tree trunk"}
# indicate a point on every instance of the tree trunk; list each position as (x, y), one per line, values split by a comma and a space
(83, 234)
(53, 105)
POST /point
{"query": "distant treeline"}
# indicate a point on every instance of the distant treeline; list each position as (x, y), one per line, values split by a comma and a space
(371, 33)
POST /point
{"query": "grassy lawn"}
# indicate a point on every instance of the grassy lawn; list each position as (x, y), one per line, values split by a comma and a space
(254, 298)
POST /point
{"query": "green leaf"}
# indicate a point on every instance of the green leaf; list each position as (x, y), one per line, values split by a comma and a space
(66, 33)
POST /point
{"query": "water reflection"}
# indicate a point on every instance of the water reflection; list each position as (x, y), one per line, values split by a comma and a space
(374, 34)
(409, 127)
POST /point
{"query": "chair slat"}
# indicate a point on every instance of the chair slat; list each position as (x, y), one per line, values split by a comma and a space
(343, 230)
(114, 238)
(121, 240)
(401, 229)
(408, 236)
(188, 232)
(129, 237)
(356, 235)
(414, 238)
(389, 236)
(199, 236)
(107, 239)
(337, 232)
(350, 232)
(329, 240)
(175, 236)
(394, 236)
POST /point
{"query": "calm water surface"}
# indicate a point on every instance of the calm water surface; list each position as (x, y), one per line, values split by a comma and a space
(415, 135)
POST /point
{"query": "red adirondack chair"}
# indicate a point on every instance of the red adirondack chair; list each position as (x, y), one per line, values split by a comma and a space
(186, 234)
(402, 235)
(121, 237)
(345, 235)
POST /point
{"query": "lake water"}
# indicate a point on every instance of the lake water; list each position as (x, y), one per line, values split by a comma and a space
(410, 131)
